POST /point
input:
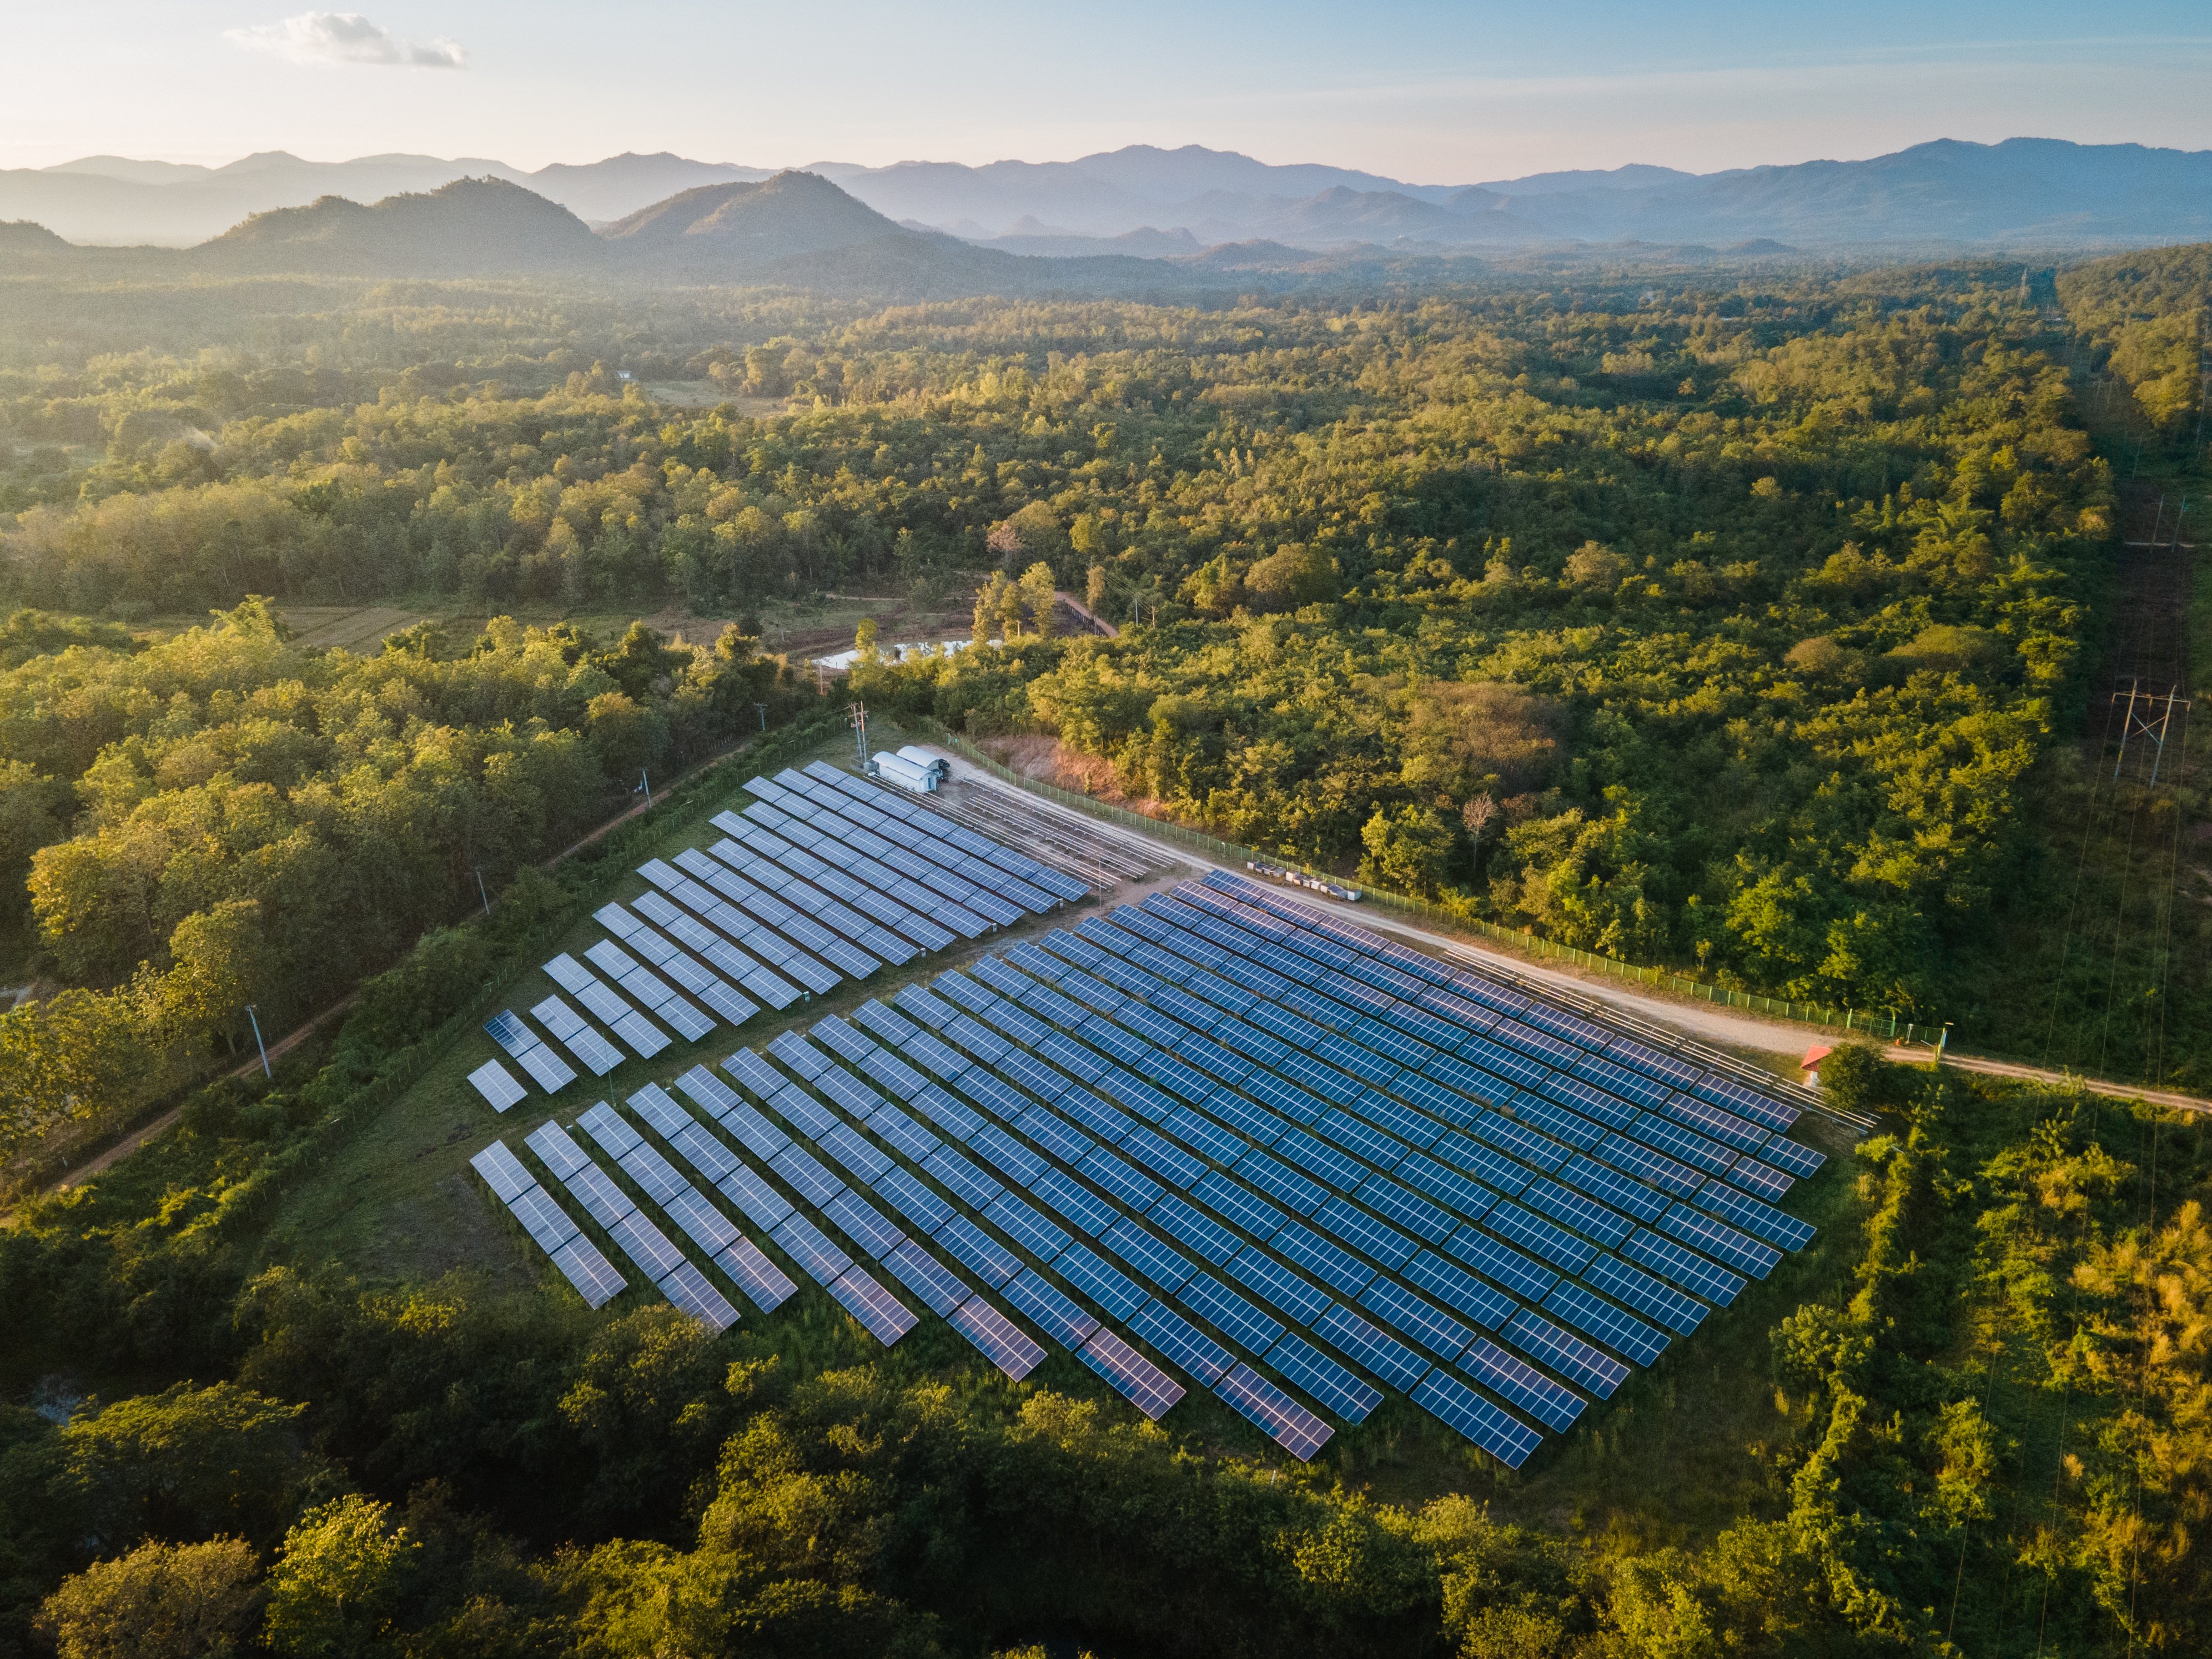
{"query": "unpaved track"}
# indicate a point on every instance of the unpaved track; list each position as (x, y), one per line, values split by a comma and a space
(1730, 1026)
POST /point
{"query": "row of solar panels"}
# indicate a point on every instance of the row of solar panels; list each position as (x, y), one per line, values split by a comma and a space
(892, 809)
(1629, 1059)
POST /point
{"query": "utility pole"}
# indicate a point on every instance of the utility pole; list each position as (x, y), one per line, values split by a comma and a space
(481, 893)
(258, 1044)
(760, 708)
(645, 784)
(857, 718)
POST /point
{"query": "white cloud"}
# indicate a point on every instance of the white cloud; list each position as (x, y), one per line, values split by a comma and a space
(346, 37)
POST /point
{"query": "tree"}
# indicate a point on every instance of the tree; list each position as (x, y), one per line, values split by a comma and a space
(336, 1580)
(220, 961)
(1465, 738)
(1094, 588)
(188, 1462)
(160, 1602)
(864, 639)
(626, 735)
(1596, 567)
(1410, 849)
(1291, 576)
(1039, 596)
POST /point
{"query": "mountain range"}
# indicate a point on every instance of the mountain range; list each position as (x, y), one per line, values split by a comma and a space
(1142, 201)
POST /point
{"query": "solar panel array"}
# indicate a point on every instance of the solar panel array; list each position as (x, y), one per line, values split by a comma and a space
(579, 1259)
(1215, 1135)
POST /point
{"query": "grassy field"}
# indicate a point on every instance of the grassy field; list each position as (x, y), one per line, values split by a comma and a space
(1672, 1457)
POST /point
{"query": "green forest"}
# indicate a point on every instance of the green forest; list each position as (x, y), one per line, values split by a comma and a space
(1749, 625)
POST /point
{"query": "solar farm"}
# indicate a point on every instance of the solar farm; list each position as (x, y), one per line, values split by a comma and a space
(1214, 1140)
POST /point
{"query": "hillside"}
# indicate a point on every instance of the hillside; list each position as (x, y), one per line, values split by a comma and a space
(728, 230)
(470, 227)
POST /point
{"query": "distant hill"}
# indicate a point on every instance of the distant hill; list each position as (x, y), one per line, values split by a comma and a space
(470, 227)
(733, 230)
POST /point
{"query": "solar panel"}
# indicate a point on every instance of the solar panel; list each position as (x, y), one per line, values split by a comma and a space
(750, 1192)
(1447, 1187)
(937, 1285)
(1800, 1161)
(1074, 1201)
(1637, 1288)
(1586, 1215)
(1388, 1358)
(1289, 1425)
(1759, 1177)
(1593, 1316)
(1344, 1392)
(1567, 1354)
(1417, 1318)
(1497, 1431)
(1620, 1191)
(966, 1181)
(1182, 1342)
(997, 1338)
(689, 1290)
(1280, 1183)
(752, 1271)
(1502, 1262)
(493, 1081)
(1532, 1233)
(1363, 1232)
(1028, 1229)
(1097, 1279)
(1517, 1383)
(1192, 1227)
(594, 1277)
(701, 1222)
(1329, 1262)
(1719, 1240)
(1231, 1198)
(977, 1251)
(597, 1055)
(1229, 1313)
(1165, 1267)
(502, 1171)
(548, 1225)
(1684, 1267)
(911, 1199)
(803, 1172)
(1302, 1301)
(883, 1315)
(1416, 1214)
(1144, 1385)
(646, 1245)
(805, 1243)
(1457, 1288)
(864, 1224)
(547, 1069)
(1753, 1216)
(555, 1150)
(1059, 1316)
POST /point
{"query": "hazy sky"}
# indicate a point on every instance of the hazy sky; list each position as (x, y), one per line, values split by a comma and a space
(1433, 92)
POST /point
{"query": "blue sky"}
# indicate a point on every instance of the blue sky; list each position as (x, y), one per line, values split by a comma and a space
(1431, 92)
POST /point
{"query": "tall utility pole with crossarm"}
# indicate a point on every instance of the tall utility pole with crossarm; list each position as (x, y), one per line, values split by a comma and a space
(857, 718)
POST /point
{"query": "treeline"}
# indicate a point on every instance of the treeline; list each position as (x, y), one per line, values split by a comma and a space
(1994, 1439)
(2145, 315)
(225, 817)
